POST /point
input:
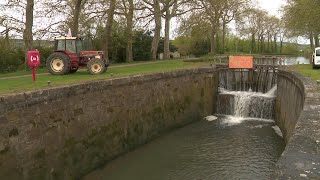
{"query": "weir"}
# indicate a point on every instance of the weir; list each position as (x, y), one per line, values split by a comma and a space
(247, 104)
(259, 79)
(248, 92)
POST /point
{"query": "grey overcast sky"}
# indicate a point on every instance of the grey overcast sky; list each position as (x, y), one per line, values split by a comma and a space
(272, 6)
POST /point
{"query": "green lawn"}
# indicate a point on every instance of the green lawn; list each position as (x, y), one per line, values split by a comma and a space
(306, 70)
(44, 70)
(22, 84)
(24, 72)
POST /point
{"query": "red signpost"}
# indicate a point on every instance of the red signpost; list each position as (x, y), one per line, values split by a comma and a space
(240, 62)
(33, 57)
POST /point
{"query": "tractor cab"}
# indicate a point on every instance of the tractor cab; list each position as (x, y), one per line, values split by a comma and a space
(68, 56)
(71, 44)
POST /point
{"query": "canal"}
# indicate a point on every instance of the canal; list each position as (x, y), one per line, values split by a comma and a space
(226, 148)
(296, 60)
(222, 147)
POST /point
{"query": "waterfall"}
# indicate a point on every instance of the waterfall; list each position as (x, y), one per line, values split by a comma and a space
(246, 104)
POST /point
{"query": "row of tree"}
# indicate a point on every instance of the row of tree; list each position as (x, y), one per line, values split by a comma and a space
(301, 19)
(86, 16)
(117, 26)
(262, 30)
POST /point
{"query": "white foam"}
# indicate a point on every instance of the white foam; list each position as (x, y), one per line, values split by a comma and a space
(258, 126)
(211, 118)
(277, 130)
(232, 120)
(271, 92)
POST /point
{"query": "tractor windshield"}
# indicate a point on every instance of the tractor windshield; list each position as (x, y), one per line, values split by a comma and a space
(60, 45)
(79, 45)
(66, 44)
(71, 46)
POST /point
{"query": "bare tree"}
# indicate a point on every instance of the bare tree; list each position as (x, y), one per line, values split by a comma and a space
(14, 23)
(211, 10)
(78, 7)
(27, 33)
(171, 9)
(283, 31)
(126, 9)
(230, 10)
(154, 7)
(108, 28)
(248, 25)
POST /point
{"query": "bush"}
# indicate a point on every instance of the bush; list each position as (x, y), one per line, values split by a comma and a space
(11, 58)
(44, 54)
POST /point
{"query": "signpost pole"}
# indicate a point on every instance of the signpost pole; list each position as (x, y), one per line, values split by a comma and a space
(33, 74)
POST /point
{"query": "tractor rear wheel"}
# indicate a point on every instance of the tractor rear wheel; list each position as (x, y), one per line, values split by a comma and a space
(96, 66)
(58, 63)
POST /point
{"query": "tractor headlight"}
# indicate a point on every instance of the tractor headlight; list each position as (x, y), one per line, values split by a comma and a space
(97, 57)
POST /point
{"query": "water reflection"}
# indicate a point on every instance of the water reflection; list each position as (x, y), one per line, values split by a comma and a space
(296, 60)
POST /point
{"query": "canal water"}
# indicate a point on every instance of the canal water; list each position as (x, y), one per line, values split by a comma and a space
(216, 147)
(296, 60)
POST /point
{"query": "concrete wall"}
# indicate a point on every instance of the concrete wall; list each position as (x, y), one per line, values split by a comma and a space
(298, 116)
(289, 102)
(64, 133)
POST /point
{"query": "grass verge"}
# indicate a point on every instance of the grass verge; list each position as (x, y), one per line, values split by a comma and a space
(23, 84)
(306, 70)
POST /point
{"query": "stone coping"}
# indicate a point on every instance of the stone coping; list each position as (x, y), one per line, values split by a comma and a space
(301, 157)
(29, 98)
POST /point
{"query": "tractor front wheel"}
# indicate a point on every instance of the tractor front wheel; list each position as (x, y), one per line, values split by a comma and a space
(58, 63)
(96, 66)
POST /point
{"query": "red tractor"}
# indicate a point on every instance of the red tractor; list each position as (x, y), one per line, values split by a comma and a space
(68, 57)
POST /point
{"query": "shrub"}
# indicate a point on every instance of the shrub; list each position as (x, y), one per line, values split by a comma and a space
(11, 58)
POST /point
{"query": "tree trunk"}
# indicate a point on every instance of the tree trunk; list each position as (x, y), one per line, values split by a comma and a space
(262, 44)
(311, 41)
(275, 43)
(166, 50)
(281, 42)
(27, 34)
(129, 55)
(157, 31)
(223, 37)
(75, 21)
(316, 40)
(269, 43)
(213, 41)
(109, 28)
(7, 35)
(217, 42)
(252, 43)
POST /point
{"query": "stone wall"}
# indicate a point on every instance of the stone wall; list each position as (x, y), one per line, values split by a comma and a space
(298, 116)
(66, 132)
